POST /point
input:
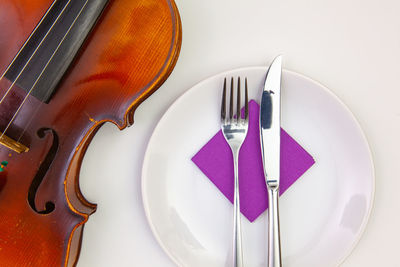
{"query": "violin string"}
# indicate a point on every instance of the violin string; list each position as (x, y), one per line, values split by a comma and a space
(33, 54)
(25, 43)
(40, 75)
(48, 93)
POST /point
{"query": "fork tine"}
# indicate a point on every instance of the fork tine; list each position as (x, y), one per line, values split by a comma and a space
(238, 101)
(246, 102)
(223, 104)
(231, 101)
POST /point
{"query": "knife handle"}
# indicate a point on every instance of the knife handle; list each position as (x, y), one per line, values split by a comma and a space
(274, 243)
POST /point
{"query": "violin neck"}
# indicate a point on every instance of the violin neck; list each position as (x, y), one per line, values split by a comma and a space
(46, 55)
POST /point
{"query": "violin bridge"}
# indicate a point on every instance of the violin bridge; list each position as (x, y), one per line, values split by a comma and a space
(12, 144)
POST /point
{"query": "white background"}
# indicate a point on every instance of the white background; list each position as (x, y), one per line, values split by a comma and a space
(350, 46)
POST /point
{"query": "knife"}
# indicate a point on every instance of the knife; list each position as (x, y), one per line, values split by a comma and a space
(270, 134)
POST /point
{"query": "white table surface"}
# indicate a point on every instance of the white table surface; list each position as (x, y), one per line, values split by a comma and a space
(350, 46)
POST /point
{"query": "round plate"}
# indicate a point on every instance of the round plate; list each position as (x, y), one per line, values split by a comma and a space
(322, 215)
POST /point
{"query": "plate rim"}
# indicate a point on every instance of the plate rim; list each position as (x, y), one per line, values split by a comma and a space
(249, 68)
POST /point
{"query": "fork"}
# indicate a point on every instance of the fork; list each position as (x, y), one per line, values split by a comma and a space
(234, 129)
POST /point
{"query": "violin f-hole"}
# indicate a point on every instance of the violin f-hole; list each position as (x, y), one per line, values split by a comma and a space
(44, 167)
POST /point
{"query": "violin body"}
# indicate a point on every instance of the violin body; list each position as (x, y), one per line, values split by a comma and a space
(129, 53)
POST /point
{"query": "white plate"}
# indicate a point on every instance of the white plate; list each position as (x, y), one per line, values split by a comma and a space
(322, 215)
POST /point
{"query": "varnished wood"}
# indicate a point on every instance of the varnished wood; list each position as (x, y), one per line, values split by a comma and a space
(130, 53)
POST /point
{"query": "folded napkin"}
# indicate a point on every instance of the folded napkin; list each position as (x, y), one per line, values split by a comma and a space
(215, 160)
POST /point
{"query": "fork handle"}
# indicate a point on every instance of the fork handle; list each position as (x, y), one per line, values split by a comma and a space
(237, 233)
(274, 243)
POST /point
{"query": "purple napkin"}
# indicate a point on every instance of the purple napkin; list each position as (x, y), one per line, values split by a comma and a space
(215, 160)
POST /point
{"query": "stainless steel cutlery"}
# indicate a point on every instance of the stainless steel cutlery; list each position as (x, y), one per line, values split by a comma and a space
(234, 129)
(270, 133)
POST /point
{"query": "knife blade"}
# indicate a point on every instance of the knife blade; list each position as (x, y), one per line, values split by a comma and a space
(270, 122)
(270, 135)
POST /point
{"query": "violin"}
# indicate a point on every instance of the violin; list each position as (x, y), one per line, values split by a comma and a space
(67, 67)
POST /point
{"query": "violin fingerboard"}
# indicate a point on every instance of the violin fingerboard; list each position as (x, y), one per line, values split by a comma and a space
(50, 49)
